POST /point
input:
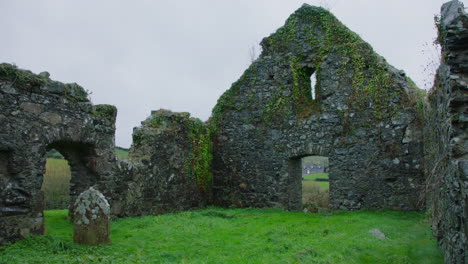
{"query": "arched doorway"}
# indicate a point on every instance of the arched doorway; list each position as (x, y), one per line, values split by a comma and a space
(80, 161)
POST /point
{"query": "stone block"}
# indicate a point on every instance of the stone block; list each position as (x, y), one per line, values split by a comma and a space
(91, 218)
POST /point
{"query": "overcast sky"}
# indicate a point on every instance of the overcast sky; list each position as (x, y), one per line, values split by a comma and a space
(182, 55)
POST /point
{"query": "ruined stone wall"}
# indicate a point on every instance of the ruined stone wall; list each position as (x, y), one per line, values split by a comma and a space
(364, 118)
(169, 167)
(37, 114)
(446, 144)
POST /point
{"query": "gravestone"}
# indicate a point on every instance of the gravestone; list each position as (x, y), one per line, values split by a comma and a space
(91, 218)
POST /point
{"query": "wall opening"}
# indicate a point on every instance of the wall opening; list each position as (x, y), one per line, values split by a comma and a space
(70, 170)
(56, 181)
(315, 183)
(309, 183)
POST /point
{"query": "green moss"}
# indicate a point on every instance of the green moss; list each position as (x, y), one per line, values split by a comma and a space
(27, 80)
(21, 78)
(303, 104)
(326, 35)
(201, 155)
(227, 100)
(76, 93)
(105, 111)
(316, 31)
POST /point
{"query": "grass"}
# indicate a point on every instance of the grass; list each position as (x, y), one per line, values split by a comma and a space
(311, 179)
(121, 153)
(56, 184)
(315, 195)
(215, 235)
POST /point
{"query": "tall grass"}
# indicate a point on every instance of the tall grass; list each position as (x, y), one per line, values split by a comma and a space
(315, 195)
(56, 184)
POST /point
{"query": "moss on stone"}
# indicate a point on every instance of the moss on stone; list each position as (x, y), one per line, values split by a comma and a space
(26, 80)
(324, 34)
(105, 111)
(22, 78)
(191, 134)
(201, 155)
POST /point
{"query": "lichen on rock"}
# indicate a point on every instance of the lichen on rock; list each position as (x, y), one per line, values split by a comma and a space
(91, 218)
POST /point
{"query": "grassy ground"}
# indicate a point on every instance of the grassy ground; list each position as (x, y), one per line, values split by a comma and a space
(217, 235)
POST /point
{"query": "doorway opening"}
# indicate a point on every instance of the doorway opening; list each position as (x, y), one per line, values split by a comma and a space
(308, 188)
(71, 168)
(315, 183)
(56, 181)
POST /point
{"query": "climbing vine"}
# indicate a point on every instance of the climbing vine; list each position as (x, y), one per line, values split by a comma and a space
(201, 155)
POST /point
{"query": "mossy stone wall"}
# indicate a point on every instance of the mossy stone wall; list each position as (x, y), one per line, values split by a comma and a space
(363, 118)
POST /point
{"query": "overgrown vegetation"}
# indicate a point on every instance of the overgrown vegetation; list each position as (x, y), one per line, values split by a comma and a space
(371, 80)
(24, 79)
(316, 194)
(21, 78)
(106, 111)
(215, 235)
(201, 154)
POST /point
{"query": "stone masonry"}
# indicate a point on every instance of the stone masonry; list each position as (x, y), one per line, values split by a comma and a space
(363, 118)
(169, 167)
(446, 144)
(387, 147)
(38, 114)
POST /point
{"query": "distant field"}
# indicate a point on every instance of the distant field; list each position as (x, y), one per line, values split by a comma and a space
(56, 182)
(216, 235)
(311, 179)
(121, 153)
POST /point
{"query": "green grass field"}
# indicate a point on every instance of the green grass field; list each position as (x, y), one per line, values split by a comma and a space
(56, 184)
(121, 153)
(311, 179)
(215, 235)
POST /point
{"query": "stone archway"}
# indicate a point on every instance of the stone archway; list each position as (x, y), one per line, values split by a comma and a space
(38, 113)
(82, 161)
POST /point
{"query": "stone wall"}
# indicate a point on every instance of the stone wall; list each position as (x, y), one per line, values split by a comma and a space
(169, 167)
(446, 144)
(37, 114)
(362, 113)
(363, 118)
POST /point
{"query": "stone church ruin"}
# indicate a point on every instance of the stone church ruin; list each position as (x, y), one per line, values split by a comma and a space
(388, 147)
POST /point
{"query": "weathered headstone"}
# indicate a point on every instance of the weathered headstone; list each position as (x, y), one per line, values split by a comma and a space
(91, 218)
